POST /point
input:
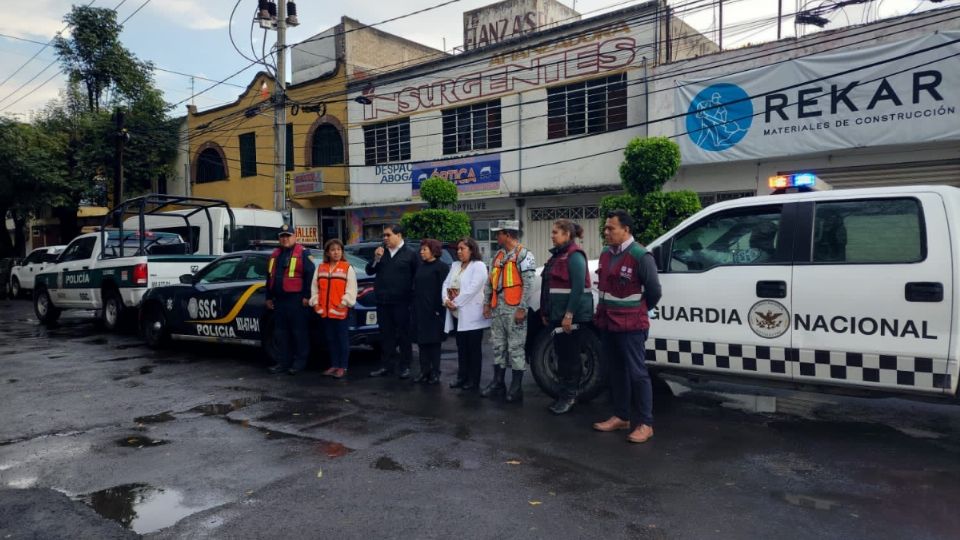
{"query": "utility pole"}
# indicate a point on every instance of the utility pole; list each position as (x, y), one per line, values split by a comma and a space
(280, 112)
(720, 40)
(120, 138)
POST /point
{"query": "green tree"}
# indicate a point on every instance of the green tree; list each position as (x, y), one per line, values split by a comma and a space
(647, 165)
(31, 176)
(95, 57)
(436, 222)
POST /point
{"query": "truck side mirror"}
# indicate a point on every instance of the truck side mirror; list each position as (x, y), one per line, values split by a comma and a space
(186, 279)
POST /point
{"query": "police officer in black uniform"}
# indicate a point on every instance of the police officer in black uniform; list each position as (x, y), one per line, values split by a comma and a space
(288, 295)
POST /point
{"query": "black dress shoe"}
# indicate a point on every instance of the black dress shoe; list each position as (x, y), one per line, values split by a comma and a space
(562, 405)
(433, 379)
(470, 386)
(380, 372)
(404, 373)
(421, 377)
(294, 371)
(277, 368)
(459, 383)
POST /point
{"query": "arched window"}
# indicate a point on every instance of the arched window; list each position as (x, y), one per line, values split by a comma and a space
(327, 146)
(210, 166)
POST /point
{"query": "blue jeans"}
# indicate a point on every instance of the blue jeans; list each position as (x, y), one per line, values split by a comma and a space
(338, 341)
(630, 385)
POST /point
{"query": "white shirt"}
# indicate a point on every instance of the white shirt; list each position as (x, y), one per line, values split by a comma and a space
(394, 251)
(623, 247)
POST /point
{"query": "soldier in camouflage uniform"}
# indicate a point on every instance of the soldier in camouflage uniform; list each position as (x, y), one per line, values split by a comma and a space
(507, 295)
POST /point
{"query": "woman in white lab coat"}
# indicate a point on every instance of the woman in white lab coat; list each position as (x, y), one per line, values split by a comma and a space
(462, 294)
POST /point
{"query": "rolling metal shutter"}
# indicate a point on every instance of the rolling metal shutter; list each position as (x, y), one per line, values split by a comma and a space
(942, 172)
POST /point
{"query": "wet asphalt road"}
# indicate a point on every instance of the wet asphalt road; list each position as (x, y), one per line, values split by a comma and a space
(103, 438)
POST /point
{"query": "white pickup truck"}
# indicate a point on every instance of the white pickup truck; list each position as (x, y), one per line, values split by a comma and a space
(102, 271)
(110, 270)
(848, 291)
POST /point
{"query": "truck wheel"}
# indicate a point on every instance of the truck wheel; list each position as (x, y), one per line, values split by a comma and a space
(15, 290)
(43, 307)
(153, 326)
(543, 363)
(112, 310)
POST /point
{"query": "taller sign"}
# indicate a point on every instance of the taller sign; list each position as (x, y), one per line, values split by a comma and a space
(898, 93)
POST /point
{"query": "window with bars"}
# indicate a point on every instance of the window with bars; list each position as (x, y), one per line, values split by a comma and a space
(473, 127)
(387, 141)
(564, 212)
(248, 154)
(593, 106)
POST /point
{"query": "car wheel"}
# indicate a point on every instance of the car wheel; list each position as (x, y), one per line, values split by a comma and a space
(153, 326)
(43, 307)
(543, 364)
(112, 310)
(15, 290)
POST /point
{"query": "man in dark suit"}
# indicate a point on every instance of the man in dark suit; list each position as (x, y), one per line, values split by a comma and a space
(394, 266)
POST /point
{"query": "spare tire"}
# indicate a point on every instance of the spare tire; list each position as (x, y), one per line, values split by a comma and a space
(543, 363)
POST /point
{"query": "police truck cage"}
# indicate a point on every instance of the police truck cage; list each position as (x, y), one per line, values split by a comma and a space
(153, 204)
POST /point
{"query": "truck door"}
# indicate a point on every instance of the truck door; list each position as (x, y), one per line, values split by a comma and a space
(872, 293)
(75, 276)
(727, 294)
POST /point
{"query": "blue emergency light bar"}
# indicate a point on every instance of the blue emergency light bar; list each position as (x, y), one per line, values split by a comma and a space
(798, 180)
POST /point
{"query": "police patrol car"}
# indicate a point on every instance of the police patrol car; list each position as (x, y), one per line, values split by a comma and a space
(845, 290)
(225, 303)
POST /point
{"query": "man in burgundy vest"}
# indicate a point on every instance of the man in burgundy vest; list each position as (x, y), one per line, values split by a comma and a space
(289, 276)
(629, 287)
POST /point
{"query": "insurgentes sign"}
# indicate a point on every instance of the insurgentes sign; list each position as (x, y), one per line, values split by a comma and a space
(899, 93)
(472, 176)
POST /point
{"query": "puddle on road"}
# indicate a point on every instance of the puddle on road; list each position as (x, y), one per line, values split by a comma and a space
(139, 507)
(219, 409)
(96, 341)
(387, 463)
(139, 441)
(146, 369)
(155, 418)
(806, 501)
(462, 432)
(11, 381)
(333, 449)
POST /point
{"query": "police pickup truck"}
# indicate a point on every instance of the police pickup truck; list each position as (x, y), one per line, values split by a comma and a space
(848, 291)
(110, 270)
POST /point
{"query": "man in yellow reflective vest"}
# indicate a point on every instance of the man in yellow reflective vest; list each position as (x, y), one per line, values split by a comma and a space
(289, 274)
(507, 295)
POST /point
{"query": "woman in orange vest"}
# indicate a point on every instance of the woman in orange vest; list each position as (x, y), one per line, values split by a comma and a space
(334, 293)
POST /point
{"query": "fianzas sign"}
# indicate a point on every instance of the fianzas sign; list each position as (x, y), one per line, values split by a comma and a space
(898, 93)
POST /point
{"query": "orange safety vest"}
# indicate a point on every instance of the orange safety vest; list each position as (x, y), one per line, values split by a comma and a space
(331, 286)
(505, 276)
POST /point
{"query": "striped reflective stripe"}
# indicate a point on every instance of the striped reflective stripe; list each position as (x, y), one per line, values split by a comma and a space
(270, 266)
(559, 291)
(291, 270)
(629, 298)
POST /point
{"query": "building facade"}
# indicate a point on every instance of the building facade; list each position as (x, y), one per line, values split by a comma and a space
(529, 127)
(869, 105)
(231, 154)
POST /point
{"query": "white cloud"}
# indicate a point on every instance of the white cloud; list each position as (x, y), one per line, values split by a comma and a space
(189, 14)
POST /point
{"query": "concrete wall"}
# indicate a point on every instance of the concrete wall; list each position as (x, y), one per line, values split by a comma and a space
(370, 51)
(495, 23)
(586, 51)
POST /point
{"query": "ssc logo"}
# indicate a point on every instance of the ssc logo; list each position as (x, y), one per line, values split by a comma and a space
(192, 308)
(769, 319)
(719, 117)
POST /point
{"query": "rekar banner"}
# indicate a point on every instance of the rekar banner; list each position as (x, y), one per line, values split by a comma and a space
(899, 93)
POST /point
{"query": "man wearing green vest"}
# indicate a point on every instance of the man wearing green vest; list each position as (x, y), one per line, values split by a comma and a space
(629, 288)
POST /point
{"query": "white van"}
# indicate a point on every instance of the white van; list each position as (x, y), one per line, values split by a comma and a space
(843, 290)
(251, 226)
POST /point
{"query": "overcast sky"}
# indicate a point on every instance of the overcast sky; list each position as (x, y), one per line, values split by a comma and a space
(190, 36)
